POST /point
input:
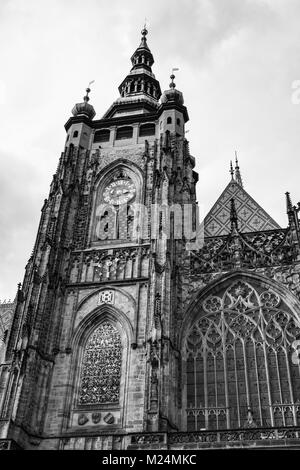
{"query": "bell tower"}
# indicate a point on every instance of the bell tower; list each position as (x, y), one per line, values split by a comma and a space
(92, 353)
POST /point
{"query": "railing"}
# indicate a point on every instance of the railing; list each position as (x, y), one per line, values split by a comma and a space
(251, 437)
(262, 437)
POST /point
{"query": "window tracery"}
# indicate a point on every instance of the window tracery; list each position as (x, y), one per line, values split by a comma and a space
(239, 356)
(101, 367)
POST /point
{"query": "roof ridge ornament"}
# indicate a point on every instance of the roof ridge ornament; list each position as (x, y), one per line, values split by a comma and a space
(238, 176)
(231, 171)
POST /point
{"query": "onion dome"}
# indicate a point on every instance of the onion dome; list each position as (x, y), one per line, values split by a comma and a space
(84, 108)
(172, 94)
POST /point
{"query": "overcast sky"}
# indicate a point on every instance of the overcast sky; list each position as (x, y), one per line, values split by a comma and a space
(238, 60)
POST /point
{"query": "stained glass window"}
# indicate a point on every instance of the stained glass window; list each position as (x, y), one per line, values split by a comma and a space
(101, 367)
(240, 356)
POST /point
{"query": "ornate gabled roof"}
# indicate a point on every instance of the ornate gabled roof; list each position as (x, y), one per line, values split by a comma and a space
(251, 216)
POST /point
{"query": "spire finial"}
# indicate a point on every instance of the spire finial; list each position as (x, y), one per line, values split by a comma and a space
(144, 30)
(172, 76)
(238, 176)
(88, 90)
(144, 33)
(231, 170)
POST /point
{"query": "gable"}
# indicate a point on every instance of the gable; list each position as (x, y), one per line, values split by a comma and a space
(251, 216)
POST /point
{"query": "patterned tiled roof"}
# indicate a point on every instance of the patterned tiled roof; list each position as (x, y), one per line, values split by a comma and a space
(251, 216)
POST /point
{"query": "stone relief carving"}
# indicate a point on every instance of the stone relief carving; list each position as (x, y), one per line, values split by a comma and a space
(106, 297)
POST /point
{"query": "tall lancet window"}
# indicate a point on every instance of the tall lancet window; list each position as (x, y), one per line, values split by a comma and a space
(241, 361)
(101, 367)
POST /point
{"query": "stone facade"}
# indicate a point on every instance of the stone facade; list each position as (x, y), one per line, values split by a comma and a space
(127, 335)
(6, 315)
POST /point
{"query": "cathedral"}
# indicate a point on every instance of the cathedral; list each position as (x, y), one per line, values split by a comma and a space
(136, 326)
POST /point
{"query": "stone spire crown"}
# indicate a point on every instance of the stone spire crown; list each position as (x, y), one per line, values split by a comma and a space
(141, 80)
(142, 57)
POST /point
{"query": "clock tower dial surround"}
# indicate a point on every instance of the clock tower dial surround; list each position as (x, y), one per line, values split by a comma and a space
(119, 192)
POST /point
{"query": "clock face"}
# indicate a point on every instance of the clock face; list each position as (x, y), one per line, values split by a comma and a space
(119, 192)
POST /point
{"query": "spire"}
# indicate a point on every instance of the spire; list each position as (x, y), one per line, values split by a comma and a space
(291, 210)
(139, 91)
(231, 171)
(238, 177)
(144, 33)
(233, 215)
(19, 296)
(289, 205)
(141, 80)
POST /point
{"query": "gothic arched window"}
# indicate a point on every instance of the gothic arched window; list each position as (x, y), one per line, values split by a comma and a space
(240, 358)
(101, 367)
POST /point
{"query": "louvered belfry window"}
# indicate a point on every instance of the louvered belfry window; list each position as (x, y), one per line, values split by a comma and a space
(240, 354)
(101, 367)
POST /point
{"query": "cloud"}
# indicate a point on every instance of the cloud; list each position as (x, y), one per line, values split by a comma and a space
(237, 61)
